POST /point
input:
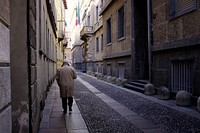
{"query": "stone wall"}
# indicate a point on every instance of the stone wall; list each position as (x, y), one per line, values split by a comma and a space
(167, 30)
(5, 77)
(77, 57)
(114, 62)
(19, 67)
(174, 39)
(119, 50)
(33, 62)
(122, 46)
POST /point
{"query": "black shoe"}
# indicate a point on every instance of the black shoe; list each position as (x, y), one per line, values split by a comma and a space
(65, 111)
(70, 108)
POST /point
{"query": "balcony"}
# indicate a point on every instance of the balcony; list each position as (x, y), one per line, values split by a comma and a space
(86, 32)
(61, 35)
(60, 29)
(98, 24)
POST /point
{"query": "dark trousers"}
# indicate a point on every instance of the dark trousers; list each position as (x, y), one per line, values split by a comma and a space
(64, 102)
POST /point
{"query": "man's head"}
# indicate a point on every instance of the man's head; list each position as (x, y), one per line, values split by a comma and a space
(65, 63)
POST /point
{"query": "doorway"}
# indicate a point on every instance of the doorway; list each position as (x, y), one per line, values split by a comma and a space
(141, 63)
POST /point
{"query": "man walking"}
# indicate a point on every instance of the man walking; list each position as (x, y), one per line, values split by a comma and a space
(65, 77)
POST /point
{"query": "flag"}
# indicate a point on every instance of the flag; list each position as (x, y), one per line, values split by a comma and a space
(78, 14)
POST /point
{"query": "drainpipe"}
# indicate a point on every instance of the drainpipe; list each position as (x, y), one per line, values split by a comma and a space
(29, 65)
(150, 37)
(132, 39)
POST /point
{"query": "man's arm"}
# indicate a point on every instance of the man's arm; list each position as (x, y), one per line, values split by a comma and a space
(74, 74)
(58, 77)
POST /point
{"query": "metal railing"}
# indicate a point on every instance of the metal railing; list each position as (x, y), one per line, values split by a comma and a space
(86, 31)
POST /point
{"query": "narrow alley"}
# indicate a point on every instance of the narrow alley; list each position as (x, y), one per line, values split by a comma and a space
(107, 108)
(137, 65)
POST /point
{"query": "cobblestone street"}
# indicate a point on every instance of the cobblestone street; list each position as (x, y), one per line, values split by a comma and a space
(108, 108)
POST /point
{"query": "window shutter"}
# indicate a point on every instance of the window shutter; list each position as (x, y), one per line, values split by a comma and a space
(172, 8)
(184, 5)
(180, 7)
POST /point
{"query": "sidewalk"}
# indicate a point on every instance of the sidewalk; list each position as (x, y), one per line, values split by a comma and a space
(54, 121)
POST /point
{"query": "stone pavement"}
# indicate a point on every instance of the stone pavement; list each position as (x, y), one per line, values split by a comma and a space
(54, 121)
(147, 113)
(139, 122)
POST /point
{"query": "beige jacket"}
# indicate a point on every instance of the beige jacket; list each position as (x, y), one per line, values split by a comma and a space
(65, 77)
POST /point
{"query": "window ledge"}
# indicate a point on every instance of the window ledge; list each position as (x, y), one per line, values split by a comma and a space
(122, 38)
(109, 44)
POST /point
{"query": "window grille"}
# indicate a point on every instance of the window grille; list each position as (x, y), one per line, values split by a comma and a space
(97, 68)
(180, 7)
(109, 69)
(97, 13)
(121, 21)
(121, 70)
(181, 75)
(97, 44)
(109, 30)
(101, 42)
(101, 68)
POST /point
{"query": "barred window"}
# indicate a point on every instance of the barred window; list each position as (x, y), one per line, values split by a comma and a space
(181, 75)
(109, 31)
(180, 7)
(121, 70)
(97, 44)
(97, 13)
(109, 69)
(101, 42)
(121, 21)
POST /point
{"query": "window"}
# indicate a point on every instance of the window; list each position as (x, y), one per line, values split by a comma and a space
(121, 70)
(180, 7)
(181, 75)
(97, 44)
(101, 42)
(97, 68)
(109, 69)
(121, 21)
(108, 30)
(101, 4)
(97, 13)
(88, 20)
(101, 68)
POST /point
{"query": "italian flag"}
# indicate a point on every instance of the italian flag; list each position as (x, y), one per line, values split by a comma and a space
(78, 14)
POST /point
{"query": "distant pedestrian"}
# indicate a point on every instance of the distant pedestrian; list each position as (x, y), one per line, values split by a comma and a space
(65, 77)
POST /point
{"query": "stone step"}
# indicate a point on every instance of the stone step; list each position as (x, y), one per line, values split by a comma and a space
(137, 85)
(134, 88)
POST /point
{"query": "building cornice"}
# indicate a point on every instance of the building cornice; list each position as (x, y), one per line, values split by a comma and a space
(106, 7)
(186, 42)
(65, 3)
(51, 16)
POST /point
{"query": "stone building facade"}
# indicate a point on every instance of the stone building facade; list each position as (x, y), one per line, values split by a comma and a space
(175, 50)
(154, 41)
(5, 76)
(117, 38)
(98, 34)
(87, 35)
(28, 59)
(60, 21)
(119, 52)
